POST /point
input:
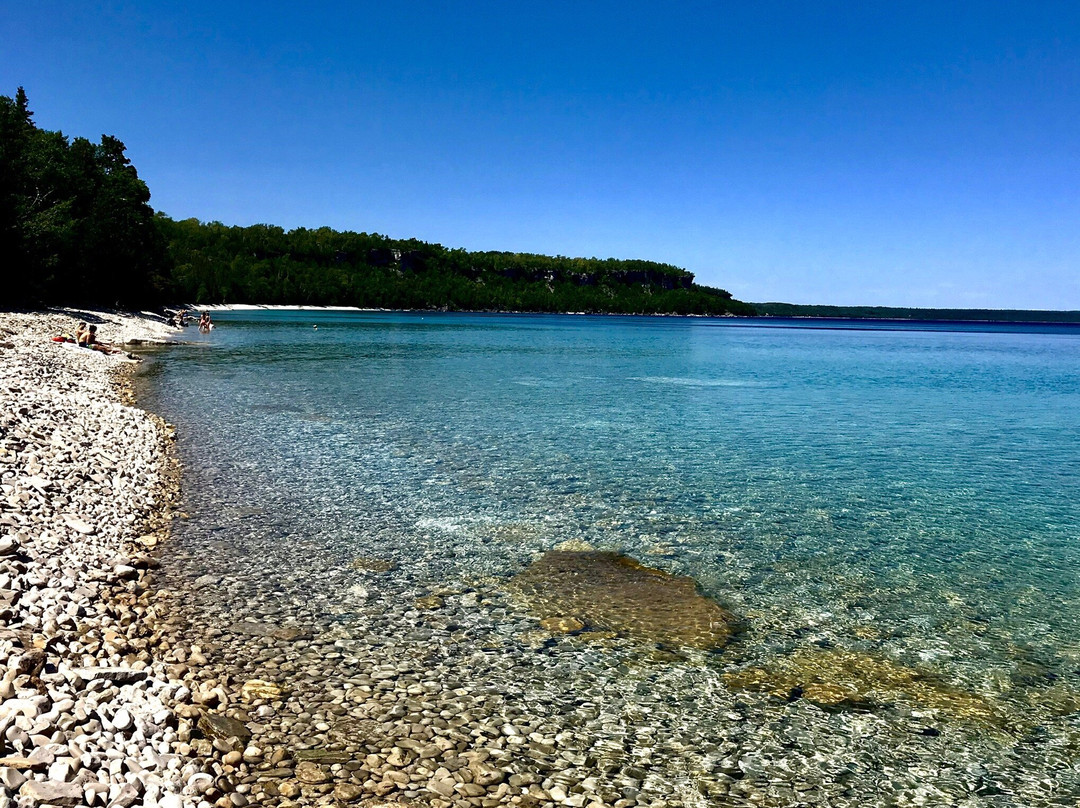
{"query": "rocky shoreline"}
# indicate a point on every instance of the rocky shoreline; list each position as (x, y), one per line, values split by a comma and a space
(252, 660)
(88, 488)
(117, 693)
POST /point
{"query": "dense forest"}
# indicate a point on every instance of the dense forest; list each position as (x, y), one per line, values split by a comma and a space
(75, 221)
(76, 227)
(214, 263)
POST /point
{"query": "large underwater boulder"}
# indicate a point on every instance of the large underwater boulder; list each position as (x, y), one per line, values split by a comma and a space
(838, 680)
(608, 591)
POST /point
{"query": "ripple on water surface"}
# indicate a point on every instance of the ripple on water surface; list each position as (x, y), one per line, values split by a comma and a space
(891, 516)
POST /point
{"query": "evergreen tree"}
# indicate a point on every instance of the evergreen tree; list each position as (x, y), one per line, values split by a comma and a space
(75, 219)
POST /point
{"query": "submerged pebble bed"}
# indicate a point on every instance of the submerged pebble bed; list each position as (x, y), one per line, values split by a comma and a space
(360, 508)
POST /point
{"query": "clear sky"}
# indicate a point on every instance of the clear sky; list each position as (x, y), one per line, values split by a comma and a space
(922, 154)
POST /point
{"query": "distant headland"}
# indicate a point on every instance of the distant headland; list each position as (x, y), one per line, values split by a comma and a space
(76, 228)
(916, 314)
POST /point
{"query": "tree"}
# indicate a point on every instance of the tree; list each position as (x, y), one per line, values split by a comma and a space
(75, 219)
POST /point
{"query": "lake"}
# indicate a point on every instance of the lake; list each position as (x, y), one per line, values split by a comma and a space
(890, 510)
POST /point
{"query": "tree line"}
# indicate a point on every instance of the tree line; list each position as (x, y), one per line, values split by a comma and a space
(75, 220)
(213, 263)
(76, 227)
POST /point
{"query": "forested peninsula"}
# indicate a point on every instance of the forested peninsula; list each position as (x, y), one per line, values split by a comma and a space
(265, 264)
(76, 228)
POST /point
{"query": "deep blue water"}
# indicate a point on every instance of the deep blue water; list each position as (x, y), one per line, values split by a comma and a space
(919, 482)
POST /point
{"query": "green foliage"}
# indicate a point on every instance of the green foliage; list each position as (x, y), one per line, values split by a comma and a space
(75, 220)
(215, 263)
(76, 227)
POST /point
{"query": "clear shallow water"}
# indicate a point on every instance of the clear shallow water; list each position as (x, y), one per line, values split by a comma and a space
(905, 494)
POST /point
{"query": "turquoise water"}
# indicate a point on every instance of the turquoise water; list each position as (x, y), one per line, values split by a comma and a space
(905, 493)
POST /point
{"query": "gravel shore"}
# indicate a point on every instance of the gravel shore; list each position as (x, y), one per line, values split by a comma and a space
(88, 487)
(291, 660)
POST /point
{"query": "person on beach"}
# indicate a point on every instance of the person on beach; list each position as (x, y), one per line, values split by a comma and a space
(91, 341)
(81, 336)
(86, 337)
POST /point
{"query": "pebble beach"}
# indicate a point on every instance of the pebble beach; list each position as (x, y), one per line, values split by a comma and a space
(118, 692)
(249, 642)
(86, 710)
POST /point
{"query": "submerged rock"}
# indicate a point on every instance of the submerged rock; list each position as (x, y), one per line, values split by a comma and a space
(254, 629)
(222, 727)
(321, 755)
(574, 546)
(613, 592)
(347, 792)
(846, 680)
(310, 772)
(255, 689)
(369, 564)
(562, 625)
(429, 603)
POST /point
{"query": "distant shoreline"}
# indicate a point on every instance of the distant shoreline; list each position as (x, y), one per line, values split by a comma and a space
(915, 314)
(275, 307)
(1018, 316)
(370, 310)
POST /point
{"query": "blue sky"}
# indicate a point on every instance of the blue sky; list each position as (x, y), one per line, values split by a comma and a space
(923, 154)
